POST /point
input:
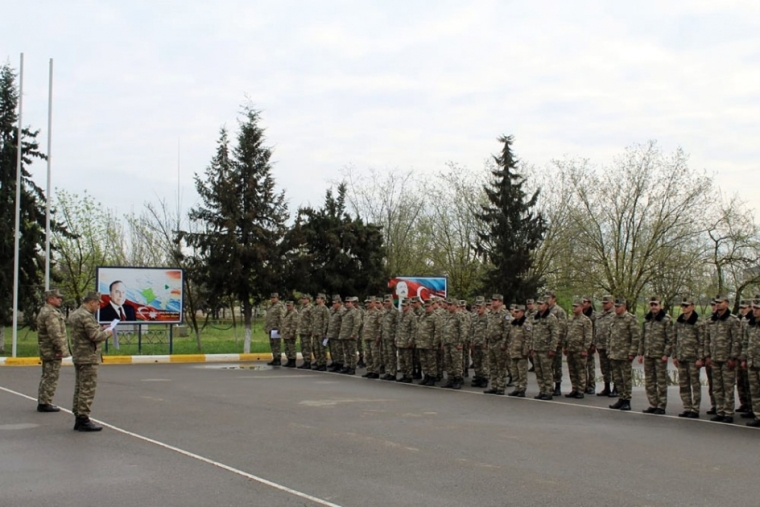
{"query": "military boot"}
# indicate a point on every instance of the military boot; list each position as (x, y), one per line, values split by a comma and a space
(626, 405)
(388, 376)
(510, 383)
(360, 363)
(47, 407)
(458, 383)
(273, 362)
(290, 364)
(83, 423)
(490, 391)
(614, 392)
(335, 367)
(605, 391)
(617, 405)
(322, 367)
(305, 366)
(557, 391)
(449, 383)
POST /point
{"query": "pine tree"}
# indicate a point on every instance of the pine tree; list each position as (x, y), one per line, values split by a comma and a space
(32, 223)
(242, 220)
(512, 230)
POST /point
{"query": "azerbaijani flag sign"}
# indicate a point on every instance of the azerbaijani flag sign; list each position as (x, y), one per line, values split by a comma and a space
(422, 286)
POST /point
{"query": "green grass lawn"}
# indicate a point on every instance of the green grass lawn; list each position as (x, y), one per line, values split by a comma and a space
(219, 338)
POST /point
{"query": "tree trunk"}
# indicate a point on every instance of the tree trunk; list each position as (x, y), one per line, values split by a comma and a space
(247, 320)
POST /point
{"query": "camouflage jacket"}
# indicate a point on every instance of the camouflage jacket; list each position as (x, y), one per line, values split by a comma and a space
(591, 314)
(86, 336)
(371, 325)
(334, 325)
(723, 341)
(466, 326)
(561, 315)
(274, 316)
(689, 338)
(51, 333)
(304, 320)
(657, 339)
(519, 337)
(545, 335)
(602, 329)
(350, 325)
(751, 344)
(406, 329)
(625, 337)
(480, 330)
(388, 326)
(426, 330)
(579, 334)
(320, 319)
(453, 330)
(497, 326)
(289, 325)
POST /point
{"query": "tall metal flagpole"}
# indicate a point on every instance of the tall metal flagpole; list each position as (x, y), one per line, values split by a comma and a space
(49, 193)
(17, 236)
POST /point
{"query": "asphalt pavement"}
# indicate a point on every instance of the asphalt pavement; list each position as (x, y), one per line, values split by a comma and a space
(247, 434)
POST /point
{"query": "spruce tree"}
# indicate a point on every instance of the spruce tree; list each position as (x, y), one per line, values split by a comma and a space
(241, 219)
(512, 230)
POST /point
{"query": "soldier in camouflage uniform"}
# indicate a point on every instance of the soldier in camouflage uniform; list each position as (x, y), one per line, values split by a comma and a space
(498, 320)
(530, 314)
(722, 349)
(519, 341)
(498, 356)
(441, 310)
(623, 345)
(453, 342)
(750, 361)
(709, 326)
(425, 342)
(405, 333)
(333, 332)
(467, 330)
(419, 311)
(273, 322)
(86, 337)
(320, 320)
(288, 332)
(601, 340)
(578, 341)
(561, 315)
(388, 338)
(304, 331)
(688, 351)
(371, 338)
(742, 378)
(544, 339)
(350, 329)
(656, 346)
(51, 337)
(480, 352)
(590, 312)
(361, 362)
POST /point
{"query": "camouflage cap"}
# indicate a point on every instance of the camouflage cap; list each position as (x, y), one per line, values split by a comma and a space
(289, 303)
(512, 306)
(405, 302)
(550, 294)
(462, 303)
(587, 299)
(306, 296)
(756, 303)
(416, 299)
(687, 301)
(388, 298)
(655, 299)
(321, 295)
(722, 297)
(497, 297)
(480, 299)
(519, 308)
(429, 303)
(744, 303)
(530, 301)
(578, 302)
(541, 300)
(336, 298)
(608, 299)
(620, 302)
(53, 293)
(92, 296)
(274, 295)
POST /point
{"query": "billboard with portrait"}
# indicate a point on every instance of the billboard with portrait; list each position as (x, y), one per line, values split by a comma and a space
(422, 286)
(140, 295)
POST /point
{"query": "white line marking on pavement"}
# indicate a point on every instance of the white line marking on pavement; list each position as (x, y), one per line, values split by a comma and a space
(275, 377)
(189, 454)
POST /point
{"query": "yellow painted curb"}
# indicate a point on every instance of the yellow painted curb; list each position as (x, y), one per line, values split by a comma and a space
(22, 361)
(117, 360)
(188, 358)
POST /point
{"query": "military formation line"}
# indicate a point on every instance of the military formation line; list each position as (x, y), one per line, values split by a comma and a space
(440, 340)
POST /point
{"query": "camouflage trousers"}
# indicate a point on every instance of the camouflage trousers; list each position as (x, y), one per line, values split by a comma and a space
(274, 345)
(710, 392)
(576, 366)
(480, 360)
(604, 365)
(416, 364)
(724, 379)
(360, 347)
(622, 375)
(466, 356)
(428, 362)
(557, 365)
(742, 386)
(336, 350)
(656, 382)
(389, 356)
(590, 370)
(520, 371)
(372, 356)
(497, 365)
(349, 353)
(306, 347)
(320, 354)
(689, 386)
(85, 383)
(753, 375)
(440, 356)
(452, 361)
(49, 381)
(290, 348)
(543, 366)
(405, 361)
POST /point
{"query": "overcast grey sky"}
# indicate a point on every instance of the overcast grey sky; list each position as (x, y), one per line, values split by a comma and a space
(392, 84)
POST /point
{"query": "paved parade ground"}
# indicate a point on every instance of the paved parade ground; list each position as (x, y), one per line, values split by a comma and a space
(245, 434)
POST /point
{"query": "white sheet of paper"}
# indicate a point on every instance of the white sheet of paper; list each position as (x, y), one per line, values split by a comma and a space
(114, 322)
(274, 334)
(324, 342)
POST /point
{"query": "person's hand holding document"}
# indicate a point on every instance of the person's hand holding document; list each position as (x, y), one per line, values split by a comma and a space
(274, 334)
(113, 324)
